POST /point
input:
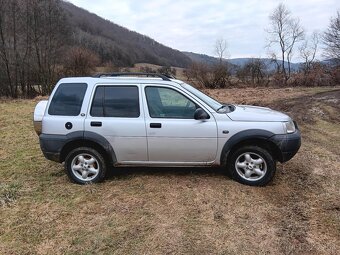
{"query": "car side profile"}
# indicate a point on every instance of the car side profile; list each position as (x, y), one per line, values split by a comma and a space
(138, 119)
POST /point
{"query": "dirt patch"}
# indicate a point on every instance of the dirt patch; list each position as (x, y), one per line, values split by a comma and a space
(292, 213)
(308, 108)
(261, 96)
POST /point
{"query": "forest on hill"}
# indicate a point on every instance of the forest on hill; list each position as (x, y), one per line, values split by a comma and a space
(43, 40)
(117, 44)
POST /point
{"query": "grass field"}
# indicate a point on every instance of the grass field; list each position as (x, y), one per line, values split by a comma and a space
(176, 211)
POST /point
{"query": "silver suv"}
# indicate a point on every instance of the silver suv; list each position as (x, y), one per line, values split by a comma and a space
(138, 119)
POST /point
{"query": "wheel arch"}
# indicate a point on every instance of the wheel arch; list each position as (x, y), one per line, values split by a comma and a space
(257, 137)
(92, 140)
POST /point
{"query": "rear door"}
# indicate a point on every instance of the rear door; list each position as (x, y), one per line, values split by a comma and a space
(174, 136)
(117, 115)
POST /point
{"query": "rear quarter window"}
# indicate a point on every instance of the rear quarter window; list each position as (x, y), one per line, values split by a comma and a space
(68, 99)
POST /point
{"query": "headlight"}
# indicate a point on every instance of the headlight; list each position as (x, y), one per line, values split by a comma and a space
(289, 126)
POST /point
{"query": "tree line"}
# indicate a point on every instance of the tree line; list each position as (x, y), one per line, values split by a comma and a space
(32, 36)
(44, 40)
(286, 38)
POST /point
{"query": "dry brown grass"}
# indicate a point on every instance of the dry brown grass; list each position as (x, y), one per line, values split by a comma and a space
(175, 211)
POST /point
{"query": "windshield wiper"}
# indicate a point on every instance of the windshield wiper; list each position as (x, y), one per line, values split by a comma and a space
(220, 108)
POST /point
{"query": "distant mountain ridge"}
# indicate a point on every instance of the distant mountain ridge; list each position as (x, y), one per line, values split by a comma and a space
(240, 62)
(114, 43)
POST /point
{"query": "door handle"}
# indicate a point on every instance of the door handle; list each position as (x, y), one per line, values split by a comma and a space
(155, 125)
(96, 124)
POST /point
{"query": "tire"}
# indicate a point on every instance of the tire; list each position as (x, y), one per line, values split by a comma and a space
(251, 165)
(85, 165)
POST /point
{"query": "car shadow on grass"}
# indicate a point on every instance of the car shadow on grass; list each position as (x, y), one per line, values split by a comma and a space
(129, 172)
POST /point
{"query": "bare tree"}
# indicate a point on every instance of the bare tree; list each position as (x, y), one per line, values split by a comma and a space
(297, 34)
(285, 31)
(274, 60)
(331, 38)
(258, 70)
(220, 72)
(48, 30)
(14, 45)
(308, 51)
(6, 84)
(221, 47)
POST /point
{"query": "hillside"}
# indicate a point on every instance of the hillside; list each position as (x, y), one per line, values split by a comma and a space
(201, 58)
(117, 44)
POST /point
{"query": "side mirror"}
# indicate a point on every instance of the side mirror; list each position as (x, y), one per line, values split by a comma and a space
(200, 114)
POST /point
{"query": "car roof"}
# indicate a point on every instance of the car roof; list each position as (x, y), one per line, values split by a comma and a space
(91, 81)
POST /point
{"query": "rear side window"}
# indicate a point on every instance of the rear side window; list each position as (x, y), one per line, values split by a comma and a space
(68, 99)
(116, 101)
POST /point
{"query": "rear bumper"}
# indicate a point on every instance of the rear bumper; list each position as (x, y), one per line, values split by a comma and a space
(51, 146)
(288, 144)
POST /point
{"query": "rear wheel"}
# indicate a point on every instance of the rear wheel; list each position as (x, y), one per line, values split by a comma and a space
(252, 165)
(85, 165)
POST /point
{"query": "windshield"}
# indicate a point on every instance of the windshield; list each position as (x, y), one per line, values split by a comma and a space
(208, 100)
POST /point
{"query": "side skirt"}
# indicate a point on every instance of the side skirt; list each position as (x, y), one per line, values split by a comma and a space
(163, 164)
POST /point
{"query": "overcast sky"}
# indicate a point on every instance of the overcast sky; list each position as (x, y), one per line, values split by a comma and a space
(194, 25)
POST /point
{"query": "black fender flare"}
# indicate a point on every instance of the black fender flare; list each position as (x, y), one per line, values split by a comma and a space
(84, 136)
(103, 142)
(242, 136)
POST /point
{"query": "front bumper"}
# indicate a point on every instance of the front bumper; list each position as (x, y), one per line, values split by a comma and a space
(288, 144)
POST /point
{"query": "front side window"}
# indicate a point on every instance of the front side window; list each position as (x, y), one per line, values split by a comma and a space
(116, 101)
(68, 99)
(169, 103)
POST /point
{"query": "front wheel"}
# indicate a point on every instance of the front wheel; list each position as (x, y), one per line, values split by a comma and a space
(251, 165)
(85, 165)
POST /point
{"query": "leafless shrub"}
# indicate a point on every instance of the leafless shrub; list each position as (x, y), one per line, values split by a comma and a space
(198, 73)
(146, 69)
(209, 76)
(254, 72)
(167, 70)
(318, 75)
(110, 67)
(80, 62)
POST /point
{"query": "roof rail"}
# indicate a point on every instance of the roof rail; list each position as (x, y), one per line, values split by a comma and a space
(162, 76)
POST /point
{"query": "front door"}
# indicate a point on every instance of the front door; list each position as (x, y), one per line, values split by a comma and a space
(173, 135)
